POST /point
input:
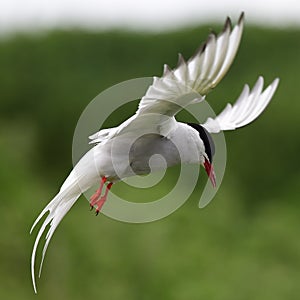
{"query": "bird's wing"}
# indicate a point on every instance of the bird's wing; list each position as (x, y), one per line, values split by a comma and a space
(188, 83)
(200, 74)
(246, 109)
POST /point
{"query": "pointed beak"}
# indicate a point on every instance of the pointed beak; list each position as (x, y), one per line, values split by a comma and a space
(210, 172)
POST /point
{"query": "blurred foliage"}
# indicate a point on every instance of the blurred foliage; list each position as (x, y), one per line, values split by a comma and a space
(244, 245)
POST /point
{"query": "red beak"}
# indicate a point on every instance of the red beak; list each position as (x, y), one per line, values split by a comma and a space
(210, 172)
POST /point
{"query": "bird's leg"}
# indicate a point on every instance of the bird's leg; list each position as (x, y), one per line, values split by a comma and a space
(97, 194)
(102, 200)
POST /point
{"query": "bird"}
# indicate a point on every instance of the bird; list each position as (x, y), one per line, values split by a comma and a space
(153, 129)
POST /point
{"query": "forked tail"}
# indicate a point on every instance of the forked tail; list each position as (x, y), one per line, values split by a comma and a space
(57, 209)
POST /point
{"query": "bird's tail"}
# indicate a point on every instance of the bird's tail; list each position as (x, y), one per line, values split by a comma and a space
(57, 209)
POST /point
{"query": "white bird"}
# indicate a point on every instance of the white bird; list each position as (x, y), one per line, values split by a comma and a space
(158, 131)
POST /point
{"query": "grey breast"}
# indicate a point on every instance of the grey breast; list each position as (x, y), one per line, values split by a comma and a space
(156, 148)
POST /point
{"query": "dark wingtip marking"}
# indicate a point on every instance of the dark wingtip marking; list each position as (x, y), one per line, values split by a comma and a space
(212, 32)
(211, 36)
(202, 49)
(198, 51)
(241, 19)
(227, 25)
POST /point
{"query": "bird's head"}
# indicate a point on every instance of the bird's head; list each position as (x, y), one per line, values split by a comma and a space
(209, 148)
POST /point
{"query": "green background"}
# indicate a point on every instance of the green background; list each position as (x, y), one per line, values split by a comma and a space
(243, 245)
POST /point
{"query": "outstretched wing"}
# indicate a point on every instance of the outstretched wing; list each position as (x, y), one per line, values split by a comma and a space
(188, 83)
(246, 109)
(200, 74)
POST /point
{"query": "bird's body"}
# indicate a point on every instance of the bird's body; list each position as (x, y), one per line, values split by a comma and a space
(131, 155)
(131, 148)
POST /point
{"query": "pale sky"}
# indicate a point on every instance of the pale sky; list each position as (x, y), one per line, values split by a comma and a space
(23, 15)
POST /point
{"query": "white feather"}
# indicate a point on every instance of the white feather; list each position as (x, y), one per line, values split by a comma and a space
(82, 177)
(57, 209)
(246, 109)
(199, 75)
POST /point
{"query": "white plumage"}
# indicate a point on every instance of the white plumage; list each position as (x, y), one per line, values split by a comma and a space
(246, 109)
(155, 123)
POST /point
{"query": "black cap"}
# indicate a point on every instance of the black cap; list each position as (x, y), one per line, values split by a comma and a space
(208, 142)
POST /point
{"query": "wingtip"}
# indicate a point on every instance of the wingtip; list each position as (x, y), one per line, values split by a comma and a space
(181, 60)
(240, 24)
(227, 25)
(213, 32)
(167, 70)
(275, 84)
(202, 48)
(212, 35)
(241, 18)
(198, 51)
(260, 79)
(276, 81)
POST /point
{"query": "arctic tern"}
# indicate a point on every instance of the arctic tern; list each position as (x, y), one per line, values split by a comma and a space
(154, 129)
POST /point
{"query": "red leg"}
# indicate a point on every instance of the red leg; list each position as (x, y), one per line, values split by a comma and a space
(97, 194)
(102, 200)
